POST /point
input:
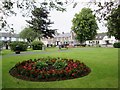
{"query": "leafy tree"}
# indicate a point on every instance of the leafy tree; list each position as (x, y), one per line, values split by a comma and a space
(7, 9)
(113, 23)
(84, 25)
(25, 6)
(28, 34)
(40, 22)
(104, 9)
(1, 44)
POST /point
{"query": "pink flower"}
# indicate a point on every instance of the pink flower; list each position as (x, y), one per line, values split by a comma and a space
(24, 67)
(29, 68)
(73, 74)
(66, 68)
(75, 65)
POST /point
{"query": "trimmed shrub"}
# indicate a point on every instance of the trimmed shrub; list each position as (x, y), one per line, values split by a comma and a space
(37, 45)
(22, 45)
(116, 45)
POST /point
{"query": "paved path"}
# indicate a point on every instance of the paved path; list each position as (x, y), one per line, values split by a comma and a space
(44, 52)
(33, 52)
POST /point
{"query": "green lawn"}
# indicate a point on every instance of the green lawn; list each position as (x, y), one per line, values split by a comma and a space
(102, 61)
(0, 72)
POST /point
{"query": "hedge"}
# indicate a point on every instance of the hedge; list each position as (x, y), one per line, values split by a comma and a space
(116, 45)
(37, 45)
(22, 45)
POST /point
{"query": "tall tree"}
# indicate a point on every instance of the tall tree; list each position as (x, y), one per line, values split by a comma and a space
(104, 8)
(28, 34)
(84, 25)
(113, 23)
(40, 22)
(8, 9)
(25, 6)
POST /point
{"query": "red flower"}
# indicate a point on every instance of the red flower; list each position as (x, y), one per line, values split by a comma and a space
(67, 71)
(73, 74)
(66, 68)
(75, 65)
(53, 71)
(24, 67)
(29, 68)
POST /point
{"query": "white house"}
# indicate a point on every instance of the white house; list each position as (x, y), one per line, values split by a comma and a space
(63, 38)
(8, 37)
(5, 37)
(102, 39)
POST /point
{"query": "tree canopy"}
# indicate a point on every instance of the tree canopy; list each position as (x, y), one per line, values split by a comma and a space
(113, 23)
(28, 34)
(104, 9)
(84, 25)
(7, 9)
(26, 6)
(41, 23)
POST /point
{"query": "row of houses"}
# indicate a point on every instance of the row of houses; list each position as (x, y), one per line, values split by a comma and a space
(101, 39)
(63, 38)
(5, 37)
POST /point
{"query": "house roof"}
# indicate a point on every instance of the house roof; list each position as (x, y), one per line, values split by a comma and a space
(9, 35)
(63, 35)
(100, 36)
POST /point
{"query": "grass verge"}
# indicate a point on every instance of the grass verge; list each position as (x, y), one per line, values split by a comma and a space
(102, 61)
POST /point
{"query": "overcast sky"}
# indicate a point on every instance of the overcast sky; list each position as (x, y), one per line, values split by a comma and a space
(62, 20)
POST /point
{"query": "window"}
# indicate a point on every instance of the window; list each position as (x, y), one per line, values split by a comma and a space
(10, 38)
(5, 37)
(97, 42)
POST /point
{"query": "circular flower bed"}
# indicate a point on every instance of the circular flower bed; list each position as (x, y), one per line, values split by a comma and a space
(49, 69)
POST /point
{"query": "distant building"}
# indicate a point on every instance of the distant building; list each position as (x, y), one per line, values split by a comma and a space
(5, 37)
(64, 38)
(102, 39)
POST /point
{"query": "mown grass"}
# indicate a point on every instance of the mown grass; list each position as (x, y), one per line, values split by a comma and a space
(0, 72)
(102, 61)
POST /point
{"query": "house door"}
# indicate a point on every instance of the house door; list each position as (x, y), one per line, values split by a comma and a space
(57, 42)
(107, 42)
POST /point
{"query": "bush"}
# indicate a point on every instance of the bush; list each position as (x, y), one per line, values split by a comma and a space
(37, 45)
(22, 45)
(81, 45)
(1, 44)
(116, 45)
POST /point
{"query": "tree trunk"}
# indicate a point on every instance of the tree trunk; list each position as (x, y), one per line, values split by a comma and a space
(7, 46)
(39, 38)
